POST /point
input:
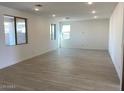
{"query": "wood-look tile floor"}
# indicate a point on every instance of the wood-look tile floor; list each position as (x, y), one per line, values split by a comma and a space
(62, 70)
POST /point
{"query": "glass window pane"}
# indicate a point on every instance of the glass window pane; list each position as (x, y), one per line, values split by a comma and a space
(9, 30)
(66, 28)
(53, 31)
(65, 31)
(21, 30)
(66, 35)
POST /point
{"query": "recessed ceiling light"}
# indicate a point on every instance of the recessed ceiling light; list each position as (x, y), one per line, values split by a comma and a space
(53, 15)
(95, 17)
(36, 9)
(93, 12)
(90, 3)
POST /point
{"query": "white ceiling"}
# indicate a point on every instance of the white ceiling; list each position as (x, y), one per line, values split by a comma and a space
(74, 10)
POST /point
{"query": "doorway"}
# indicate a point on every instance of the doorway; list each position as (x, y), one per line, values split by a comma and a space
(65, 35)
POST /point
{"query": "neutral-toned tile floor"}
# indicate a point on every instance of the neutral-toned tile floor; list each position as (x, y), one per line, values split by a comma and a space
(63, 69)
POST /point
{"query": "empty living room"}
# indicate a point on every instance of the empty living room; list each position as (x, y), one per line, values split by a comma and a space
(61, 46)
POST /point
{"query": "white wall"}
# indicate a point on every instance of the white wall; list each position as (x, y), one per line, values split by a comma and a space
(38, 38)
(89, 34)
(116, 38)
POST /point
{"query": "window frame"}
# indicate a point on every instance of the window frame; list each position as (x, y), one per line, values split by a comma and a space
(15, 28)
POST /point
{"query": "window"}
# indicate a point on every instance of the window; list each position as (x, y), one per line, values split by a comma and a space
(65, 31)
(15, 30)
(9, 30)
(53, 31)
(21, 30)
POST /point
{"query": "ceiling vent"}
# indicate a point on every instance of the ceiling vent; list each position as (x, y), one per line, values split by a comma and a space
(38, 5)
